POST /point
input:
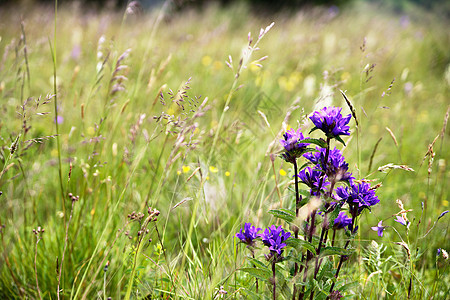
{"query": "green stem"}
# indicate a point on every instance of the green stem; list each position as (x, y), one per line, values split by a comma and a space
(297, 207)
(166, 258)
(55, 92)
(253, 255)
(274, 279)
(104, 285)
(138, 251)
(354, 211)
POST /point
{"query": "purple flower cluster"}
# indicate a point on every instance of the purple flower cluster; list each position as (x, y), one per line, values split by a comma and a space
(331, 121)
(290, 142)
(358, 196)
(336, 168)
(342, 221)
(274, 238)
(248, 234)
(311, 178)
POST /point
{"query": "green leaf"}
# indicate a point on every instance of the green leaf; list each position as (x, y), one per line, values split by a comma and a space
(349, 286)
(314, 129)
(339, 139)
(335, 213)
(258, 273)
(305, 164)
(305, 193)
(258, 263)
(285, 290)
(284, 214)
(316, 285)
(319, 142)
(294, 259)
(299, 244)
(326, 271)
(335, 251)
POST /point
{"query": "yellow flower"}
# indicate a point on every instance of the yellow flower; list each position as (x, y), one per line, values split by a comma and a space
(206, 60)
(186, 169)
(217, 65)
(445, 203)
(295, 77)
(213, 169)
(178, 172)
(283, 172)
(289, 86)
(227, 173)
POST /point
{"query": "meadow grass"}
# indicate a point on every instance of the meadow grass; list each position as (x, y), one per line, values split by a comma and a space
(166, 151)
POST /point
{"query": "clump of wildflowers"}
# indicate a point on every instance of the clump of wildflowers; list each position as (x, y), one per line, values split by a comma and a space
(324, 169)
(331, 122)
(272, 237)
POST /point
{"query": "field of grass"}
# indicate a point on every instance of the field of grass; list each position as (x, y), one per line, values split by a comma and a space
(134, 146)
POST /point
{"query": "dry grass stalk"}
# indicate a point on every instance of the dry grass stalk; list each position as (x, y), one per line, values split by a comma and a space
(373, 154)
(392, 136)
(391, 166)
(352, 108)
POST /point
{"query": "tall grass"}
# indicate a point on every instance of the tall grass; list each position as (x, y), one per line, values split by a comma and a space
(148, 116)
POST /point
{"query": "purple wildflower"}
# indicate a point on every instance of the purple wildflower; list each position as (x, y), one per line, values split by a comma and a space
(400, 220)
(342, 221)
(358, 196)
(331, 121)
(438, 252)
(379, 228)
(59, 119)
(314, 156)
(292, 147)
(336, 168)
(311, 178)
(274, 238)
(248, 234)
